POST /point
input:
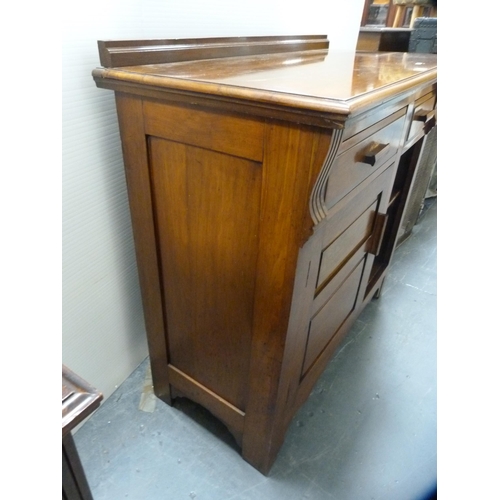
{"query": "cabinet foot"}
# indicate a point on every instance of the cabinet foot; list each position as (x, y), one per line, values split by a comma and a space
(378, 292)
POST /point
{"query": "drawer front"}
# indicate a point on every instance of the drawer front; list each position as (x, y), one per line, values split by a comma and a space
(363, 158)
(424, 117)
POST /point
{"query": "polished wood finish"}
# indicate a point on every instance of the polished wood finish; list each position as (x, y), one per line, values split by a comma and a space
(296, 85)
(214, 267)
(114, 53)
(79, 400)
(266, 193)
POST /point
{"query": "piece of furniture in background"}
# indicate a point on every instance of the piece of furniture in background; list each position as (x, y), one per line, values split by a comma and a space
(396, 13)
(408, 10)
(423, 186)
(383, 39)
(79, 400)
(423, 37)
(423, 40)
(267, 177)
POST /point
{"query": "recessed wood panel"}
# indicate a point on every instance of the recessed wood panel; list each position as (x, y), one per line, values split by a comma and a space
(329, 319)
(346, 244)
(207, 219)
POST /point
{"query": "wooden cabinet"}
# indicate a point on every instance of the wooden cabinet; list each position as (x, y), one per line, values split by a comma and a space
(266, 188)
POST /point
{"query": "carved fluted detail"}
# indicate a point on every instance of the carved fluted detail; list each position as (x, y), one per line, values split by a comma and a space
(317, 205)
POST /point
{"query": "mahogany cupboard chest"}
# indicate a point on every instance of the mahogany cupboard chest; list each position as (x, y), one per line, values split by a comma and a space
(267, 177)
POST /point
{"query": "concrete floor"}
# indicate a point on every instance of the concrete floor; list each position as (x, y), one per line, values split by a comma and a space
(367, 432)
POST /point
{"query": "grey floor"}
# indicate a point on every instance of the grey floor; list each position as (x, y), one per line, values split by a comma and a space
(367, 432)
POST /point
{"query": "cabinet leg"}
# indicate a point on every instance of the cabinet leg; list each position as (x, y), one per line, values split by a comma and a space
(378, 293)
(261, 453)
(261, 462)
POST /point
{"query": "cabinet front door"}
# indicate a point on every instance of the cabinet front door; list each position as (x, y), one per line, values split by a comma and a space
(334, 268)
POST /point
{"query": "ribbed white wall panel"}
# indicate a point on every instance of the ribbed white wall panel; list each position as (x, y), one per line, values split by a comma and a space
(103, 327)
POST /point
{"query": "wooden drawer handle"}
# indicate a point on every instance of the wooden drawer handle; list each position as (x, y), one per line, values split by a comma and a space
(429, 125)
(375, 243)
(428, 117)
(422, 115)
(370, 157)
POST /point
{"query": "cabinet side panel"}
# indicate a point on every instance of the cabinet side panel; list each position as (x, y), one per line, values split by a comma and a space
(135, 155)
(207, 218)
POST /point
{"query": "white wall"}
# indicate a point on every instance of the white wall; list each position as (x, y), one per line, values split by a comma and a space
(103, 337)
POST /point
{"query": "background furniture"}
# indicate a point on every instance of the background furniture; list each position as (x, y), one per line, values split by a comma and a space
(424, 36)
(423, 40)
(267, 177)
(383, 39)
(408, 10)
(419, 189)
(79, 400)
(396, 13)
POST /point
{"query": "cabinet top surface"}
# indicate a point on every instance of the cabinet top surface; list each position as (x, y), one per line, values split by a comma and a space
(319, 80)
